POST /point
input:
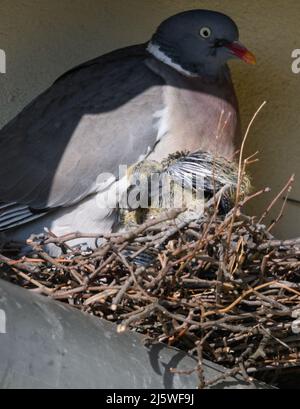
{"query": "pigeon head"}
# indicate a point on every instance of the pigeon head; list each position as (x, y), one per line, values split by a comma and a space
(198, 43)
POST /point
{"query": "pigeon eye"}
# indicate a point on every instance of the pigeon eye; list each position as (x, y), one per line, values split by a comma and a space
(205, 32)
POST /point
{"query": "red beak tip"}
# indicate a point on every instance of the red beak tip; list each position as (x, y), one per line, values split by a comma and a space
(249, 58)
(242, 52)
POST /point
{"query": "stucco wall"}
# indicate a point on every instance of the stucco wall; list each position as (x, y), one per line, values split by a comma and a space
(43, 38)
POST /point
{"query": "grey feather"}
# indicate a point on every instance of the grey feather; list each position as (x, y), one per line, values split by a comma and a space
(12, 215)
(91, 120)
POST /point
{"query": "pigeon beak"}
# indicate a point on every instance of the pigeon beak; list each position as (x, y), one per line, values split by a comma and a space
(238, 50)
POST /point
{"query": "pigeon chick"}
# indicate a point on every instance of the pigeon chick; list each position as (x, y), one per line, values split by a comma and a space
(183, 181)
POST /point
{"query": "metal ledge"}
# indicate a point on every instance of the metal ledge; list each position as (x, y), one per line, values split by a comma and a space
(46, 344)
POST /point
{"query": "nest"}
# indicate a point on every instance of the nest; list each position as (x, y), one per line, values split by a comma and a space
(220, 287)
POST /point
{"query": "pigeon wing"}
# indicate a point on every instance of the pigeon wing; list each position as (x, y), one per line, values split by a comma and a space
(93, 118)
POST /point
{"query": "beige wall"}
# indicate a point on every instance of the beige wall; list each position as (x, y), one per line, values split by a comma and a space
(43, 38)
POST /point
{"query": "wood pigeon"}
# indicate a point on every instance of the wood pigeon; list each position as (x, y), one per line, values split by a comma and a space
(146, 101)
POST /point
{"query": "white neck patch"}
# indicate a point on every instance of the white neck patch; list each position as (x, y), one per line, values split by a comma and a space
(157, 53)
